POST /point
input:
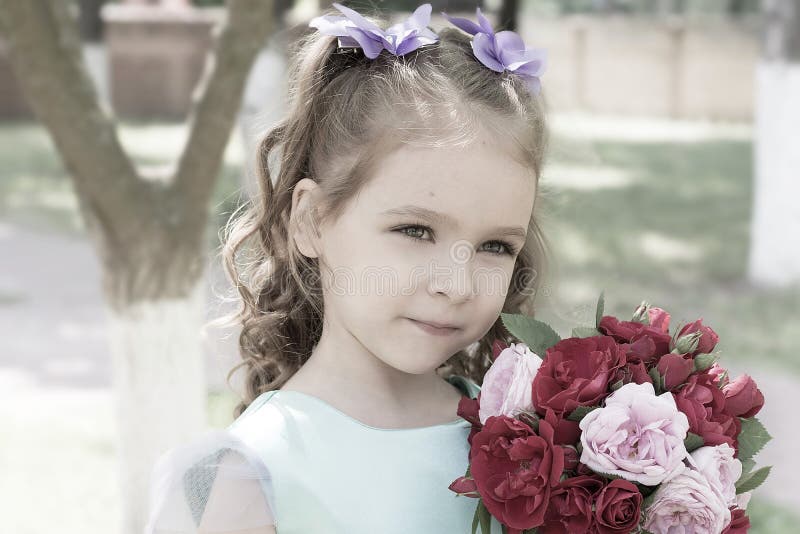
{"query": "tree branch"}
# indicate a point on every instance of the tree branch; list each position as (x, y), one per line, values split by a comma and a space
(43, 46)
(214, 114)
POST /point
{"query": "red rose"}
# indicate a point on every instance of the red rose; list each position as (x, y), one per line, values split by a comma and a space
(468, 409)
(617, 507)
(675, 368)
(703, 402)
(566, 432)
(708, 340)
(571, 458)
(632, 331)
(742, 397)
(739, 524)
(570, 507)
(515, 470)
(576, 372)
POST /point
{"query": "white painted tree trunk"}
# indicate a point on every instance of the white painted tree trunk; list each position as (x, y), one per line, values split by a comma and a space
(775, 248)
(159, 388)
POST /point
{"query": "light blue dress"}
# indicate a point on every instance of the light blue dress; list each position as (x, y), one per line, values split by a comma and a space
(318, 471)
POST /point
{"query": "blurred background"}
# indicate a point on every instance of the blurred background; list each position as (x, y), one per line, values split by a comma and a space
(127, 133)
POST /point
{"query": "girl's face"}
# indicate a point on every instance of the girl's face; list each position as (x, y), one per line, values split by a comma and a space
(433, 237)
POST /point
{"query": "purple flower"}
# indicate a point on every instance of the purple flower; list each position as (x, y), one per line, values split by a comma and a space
(503, 50)
(354, 30)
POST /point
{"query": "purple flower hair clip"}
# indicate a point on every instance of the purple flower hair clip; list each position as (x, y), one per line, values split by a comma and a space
(503, 50)
(355, 31)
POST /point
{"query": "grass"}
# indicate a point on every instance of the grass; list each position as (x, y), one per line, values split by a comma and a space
(667, 222)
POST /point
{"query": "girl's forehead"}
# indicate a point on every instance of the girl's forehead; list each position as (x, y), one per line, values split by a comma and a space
(472, 179)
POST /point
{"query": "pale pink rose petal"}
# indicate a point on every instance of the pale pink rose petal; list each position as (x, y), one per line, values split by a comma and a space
(636, 435)
(720, 468)
(686, 503)
(506, 387)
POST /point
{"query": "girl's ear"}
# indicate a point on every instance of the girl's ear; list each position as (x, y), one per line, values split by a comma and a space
(302, 221)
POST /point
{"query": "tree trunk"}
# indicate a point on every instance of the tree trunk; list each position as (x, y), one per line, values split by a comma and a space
(148, 228)
(159, 389)
(774, 254)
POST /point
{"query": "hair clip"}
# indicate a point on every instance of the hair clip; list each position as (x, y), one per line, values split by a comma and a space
(354, 31)
(503, 50)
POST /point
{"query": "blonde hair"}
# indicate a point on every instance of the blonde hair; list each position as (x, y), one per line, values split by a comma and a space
(345, 112)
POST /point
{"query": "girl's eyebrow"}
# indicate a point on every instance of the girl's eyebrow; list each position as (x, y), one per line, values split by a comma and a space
(434, 217)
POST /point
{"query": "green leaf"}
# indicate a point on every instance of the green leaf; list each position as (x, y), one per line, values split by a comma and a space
(692, 442)
(580, 412)
(658, 382)
(475, 518)
(485, 518)
(537, 335)
(752, 438)
(752, 480)
(616, 385)
(601, 303)
(585, 331)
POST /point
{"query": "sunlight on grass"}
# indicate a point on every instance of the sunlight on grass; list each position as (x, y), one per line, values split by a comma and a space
(662, 247)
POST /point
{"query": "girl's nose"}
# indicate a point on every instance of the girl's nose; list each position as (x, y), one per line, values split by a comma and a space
(453, 276)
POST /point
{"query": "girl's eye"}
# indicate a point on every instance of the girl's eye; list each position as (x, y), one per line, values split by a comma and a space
(415, 232)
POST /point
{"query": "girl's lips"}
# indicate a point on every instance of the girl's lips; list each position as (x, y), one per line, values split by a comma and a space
(433, 330)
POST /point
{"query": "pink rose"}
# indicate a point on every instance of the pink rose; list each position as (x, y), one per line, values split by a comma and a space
(658, 318)
(743, 499)
(637, 435)
(720, 375)
(742, 397)
(506, 387)
(720, 469)
(686, 503)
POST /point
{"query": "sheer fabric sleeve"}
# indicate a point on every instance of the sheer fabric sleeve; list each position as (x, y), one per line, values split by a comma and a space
(213, 484)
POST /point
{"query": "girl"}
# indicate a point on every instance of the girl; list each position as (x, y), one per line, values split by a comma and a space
(398, 226)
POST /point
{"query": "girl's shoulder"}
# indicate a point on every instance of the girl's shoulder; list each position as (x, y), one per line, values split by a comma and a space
(222, 479)
(213, 483)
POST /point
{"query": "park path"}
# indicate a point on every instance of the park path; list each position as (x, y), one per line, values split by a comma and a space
(58, 428)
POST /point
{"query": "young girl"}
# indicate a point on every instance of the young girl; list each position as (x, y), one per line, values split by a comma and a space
(398, 226)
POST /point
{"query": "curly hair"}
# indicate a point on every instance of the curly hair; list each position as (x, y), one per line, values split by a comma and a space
(345, 112)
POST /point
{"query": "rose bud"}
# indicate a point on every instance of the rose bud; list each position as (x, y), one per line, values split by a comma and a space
(708, 339)
(742, 397)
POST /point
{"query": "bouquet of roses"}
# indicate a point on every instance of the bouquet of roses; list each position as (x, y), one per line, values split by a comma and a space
(620, 428)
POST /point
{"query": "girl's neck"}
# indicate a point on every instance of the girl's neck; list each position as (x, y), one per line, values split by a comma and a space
(375, 393)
